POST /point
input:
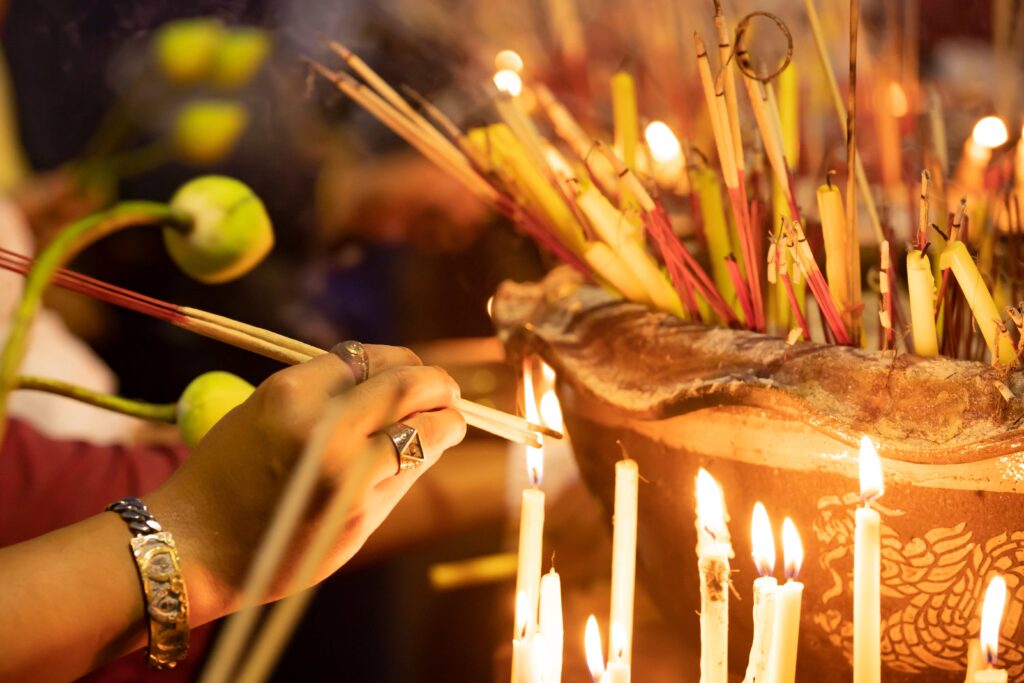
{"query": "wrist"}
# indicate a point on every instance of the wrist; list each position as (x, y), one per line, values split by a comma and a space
(211, 595)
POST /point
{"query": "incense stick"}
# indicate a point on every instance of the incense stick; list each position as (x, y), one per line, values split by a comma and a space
(261, 341)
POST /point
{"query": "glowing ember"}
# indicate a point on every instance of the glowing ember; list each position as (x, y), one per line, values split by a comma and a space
(990, 132)
(508, 60)
(871, 484)
(662, 142)
(792, 549)
(762, 540)
(992, 617)
(592, 646)
(508, 82)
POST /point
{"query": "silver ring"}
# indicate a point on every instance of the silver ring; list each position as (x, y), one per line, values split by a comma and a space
(354, 355)
(408, 447)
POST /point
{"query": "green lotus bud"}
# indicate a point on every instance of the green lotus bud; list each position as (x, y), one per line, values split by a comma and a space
(207, 399)
(185, 49)
(230, 232)
(240, 55)
(207, 130)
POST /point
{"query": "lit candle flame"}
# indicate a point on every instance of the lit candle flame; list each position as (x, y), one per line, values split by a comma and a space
(990, 132)
(592, 646)
(508, 60)
(992, 617)
(508, 82)
(490, 307)
(710, 506)
(898, 104)
(662, 142)
(548, 373)
(522, 618)
(871, 483)
(551, 411)
(792, 549)
(762, 540)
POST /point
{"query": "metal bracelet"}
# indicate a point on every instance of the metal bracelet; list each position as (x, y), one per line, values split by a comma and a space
(163, 586)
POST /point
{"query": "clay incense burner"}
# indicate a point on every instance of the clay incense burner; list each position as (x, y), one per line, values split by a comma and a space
(781, 424)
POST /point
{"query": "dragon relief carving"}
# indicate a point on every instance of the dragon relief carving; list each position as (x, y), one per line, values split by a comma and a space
(932, 589)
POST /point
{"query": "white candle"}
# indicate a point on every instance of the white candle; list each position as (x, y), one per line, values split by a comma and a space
(989, 133)
(713, 552)
(788, 598)
(991, 620)
(618, 670)
(551, 625)
(627, 478)
(531, 519)
(867, 558)
(765, 587)
(527, 650)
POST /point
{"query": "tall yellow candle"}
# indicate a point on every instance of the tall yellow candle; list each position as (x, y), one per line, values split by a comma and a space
(991, 619)
(921, 285)
(867, 549)
(713, 552)
(624, 115)
(842, 256)
(627, 479)
(788, 599)
(765, 587)
(956, 257)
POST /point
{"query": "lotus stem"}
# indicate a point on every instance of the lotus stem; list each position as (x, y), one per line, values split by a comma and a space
(59, 252)
(154, 412)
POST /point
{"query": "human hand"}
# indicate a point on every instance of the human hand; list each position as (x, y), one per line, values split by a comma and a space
(220, 502)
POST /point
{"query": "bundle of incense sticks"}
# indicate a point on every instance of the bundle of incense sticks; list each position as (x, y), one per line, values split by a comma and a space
(258, 340)
(594, 205)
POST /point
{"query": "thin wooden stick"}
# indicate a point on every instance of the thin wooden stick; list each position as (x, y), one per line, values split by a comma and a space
(285, 614)
(853, 241)
(837, 100)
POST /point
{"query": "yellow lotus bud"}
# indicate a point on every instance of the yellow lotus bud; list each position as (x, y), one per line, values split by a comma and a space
(185, 49)
(240, 55)
(230, 233)
(207, 130)
(207, 399)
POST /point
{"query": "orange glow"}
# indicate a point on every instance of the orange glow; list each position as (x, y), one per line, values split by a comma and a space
(662, 142)
(508, 82)
(508, 60)
(992, 617)
(898, 104)
(763, 541)
(871, 483)
(592, 646)
(792, 549)
(710, 505)
(990, 132)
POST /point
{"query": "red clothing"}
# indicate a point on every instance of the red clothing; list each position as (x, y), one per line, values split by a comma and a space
(47, 484)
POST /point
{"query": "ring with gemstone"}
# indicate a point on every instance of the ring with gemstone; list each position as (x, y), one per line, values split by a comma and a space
(354, 355)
